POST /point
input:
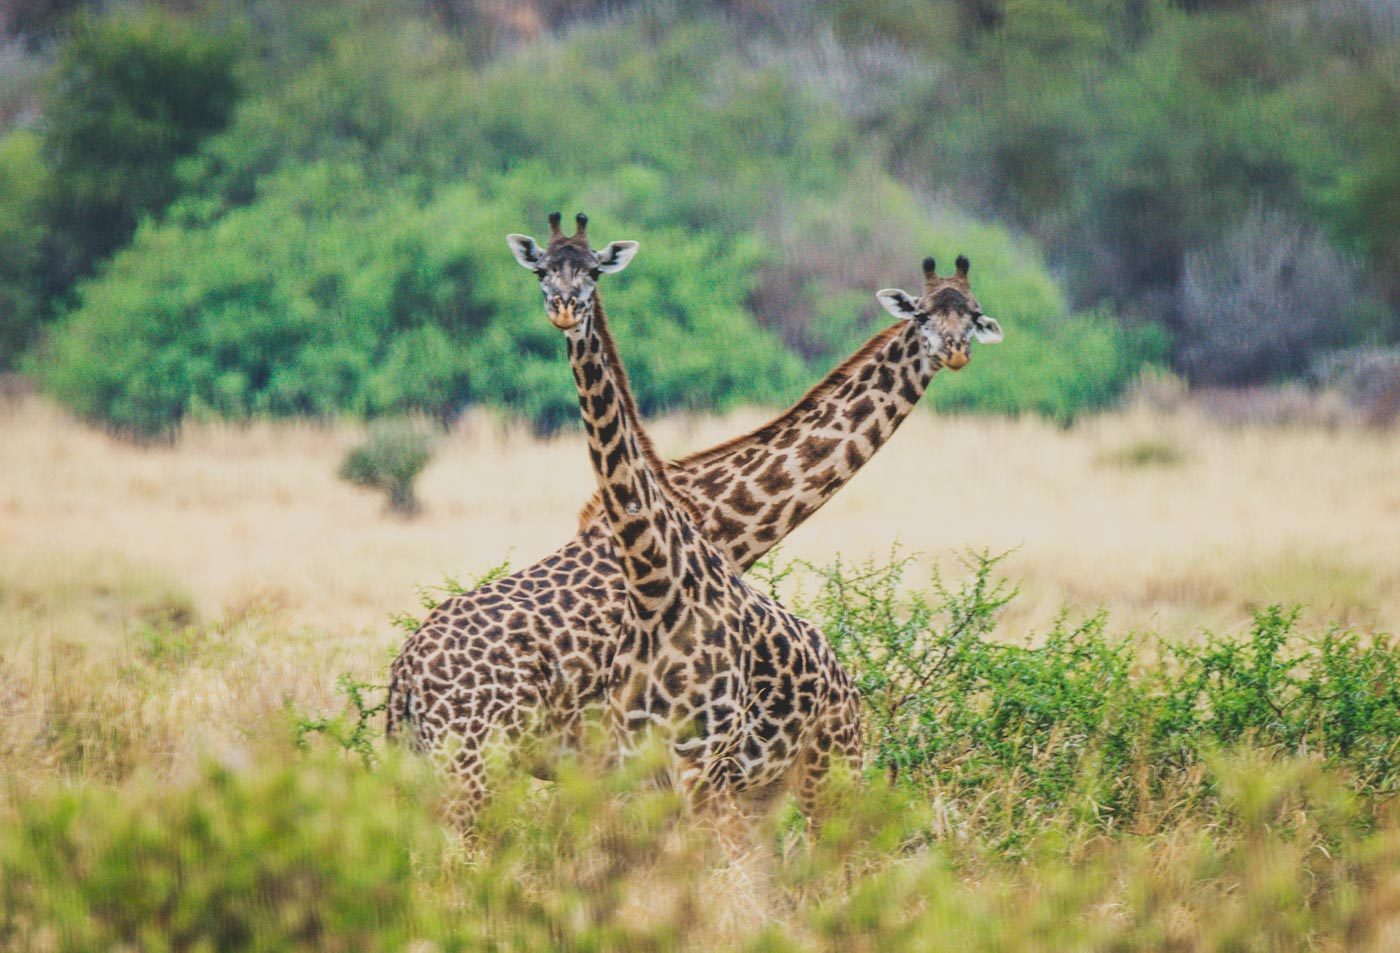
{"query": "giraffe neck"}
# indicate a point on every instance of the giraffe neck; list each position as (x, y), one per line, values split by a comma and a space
(653, 526)
(752, 491)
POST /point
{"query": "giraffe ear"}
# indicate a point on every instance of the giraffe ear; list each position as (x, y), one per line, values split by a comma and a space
(986, 329)
(615, 257)
(526, 250)
(898, 303)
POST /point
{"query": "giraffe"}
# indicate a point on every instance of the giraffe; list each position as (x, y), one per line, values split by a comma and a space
(760, 486)
(748, 698)
(529, 651)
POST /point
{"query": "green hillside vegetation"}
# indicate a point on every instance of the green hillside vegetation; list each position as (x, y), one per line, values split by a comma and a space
(330, 239)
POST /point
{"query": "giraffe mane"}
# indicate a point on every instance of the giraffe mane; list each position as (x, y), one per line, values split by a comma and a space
(629, 405)
(819, 391)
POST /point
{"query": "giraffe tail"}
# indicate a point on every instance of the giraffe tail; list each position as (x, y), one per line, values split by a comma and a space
(398, 706)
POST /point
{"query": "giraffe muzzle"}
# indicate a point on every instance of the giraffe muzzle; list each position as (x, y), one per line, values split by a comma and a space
(564, 317)
(956, 361)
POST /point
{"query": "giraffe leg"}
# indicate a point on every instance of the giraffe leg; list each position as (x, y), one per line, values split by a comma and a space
(462, 744)
(711, 800)
(460, 764)
(811, 782)
(466, 789)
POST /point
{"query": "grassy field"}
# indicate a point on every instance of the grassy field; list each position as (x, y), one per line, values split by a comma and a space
(1169, 520)
(170, 614)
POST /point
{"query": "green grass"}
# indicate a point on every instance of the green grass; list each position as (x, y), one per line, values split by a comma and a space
(1068, 789)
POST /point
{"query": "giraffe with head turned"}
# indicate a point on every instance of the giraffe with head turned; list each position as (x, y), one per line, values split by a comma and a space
(758, 487)
(747, 698)
(528, 653)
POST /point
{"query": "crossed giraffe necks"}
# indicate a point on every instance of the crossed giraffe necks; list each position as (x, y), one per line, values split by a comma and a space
(541, 638)
(759, 698)
(751, 492)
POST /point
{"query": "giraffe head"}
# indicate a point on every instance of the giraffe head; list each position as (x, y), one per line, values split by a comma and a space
(947, 314)
(568, 269)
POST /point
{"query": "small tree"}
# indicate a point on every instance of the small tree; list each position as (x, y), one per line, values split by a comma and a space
(390, 459)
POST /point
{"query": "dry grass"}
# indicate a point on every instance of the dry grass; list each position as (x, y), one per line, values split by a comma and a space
(1168, 520)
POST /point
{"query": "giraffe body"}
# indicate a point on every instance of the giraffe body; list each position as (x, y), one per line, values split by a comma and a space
(748, 698)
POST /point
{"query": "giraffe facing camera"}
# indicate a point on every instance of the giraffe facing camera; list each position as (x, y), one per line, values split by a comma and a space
(749, 699)
(947, 314)
(568, 268)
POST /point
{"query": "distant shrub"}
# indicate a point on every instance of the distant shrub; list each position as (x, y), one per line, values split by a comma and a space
(1369, 377)
(24, 182)
(1264, 302)
(326, 257)
(390, 459)
(830, 254)
(1158, 389)
(330, 296)
(1146, 453)
(131, 95)
(1062, 369)
(1367, 202)
(39, 20)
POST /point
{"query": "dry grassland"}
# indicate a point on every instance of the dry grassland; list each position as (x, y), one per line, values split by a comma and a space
(1169, 521)
(288, 577)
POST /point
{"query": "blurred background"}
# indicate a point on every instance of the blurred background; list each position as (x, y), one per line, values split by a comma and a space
(263, 208)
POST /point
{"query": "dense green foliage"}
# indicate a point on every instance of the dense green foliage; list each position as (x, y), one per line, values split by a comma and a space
(131, 95)
(22, 186)
(331, 241)
(315, 854)
(1125, 137)
(1091, 726)
(326, 295)
(128, 97)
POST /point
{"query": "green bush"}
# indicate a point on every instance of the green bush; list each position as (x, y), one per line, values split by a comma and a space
(1071, 790)
(790, 176)
(390, 459)
(326, 259)
(1125, 137)
(317, 853)
(325, 296)
(1064, 368)
(1077, 724)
